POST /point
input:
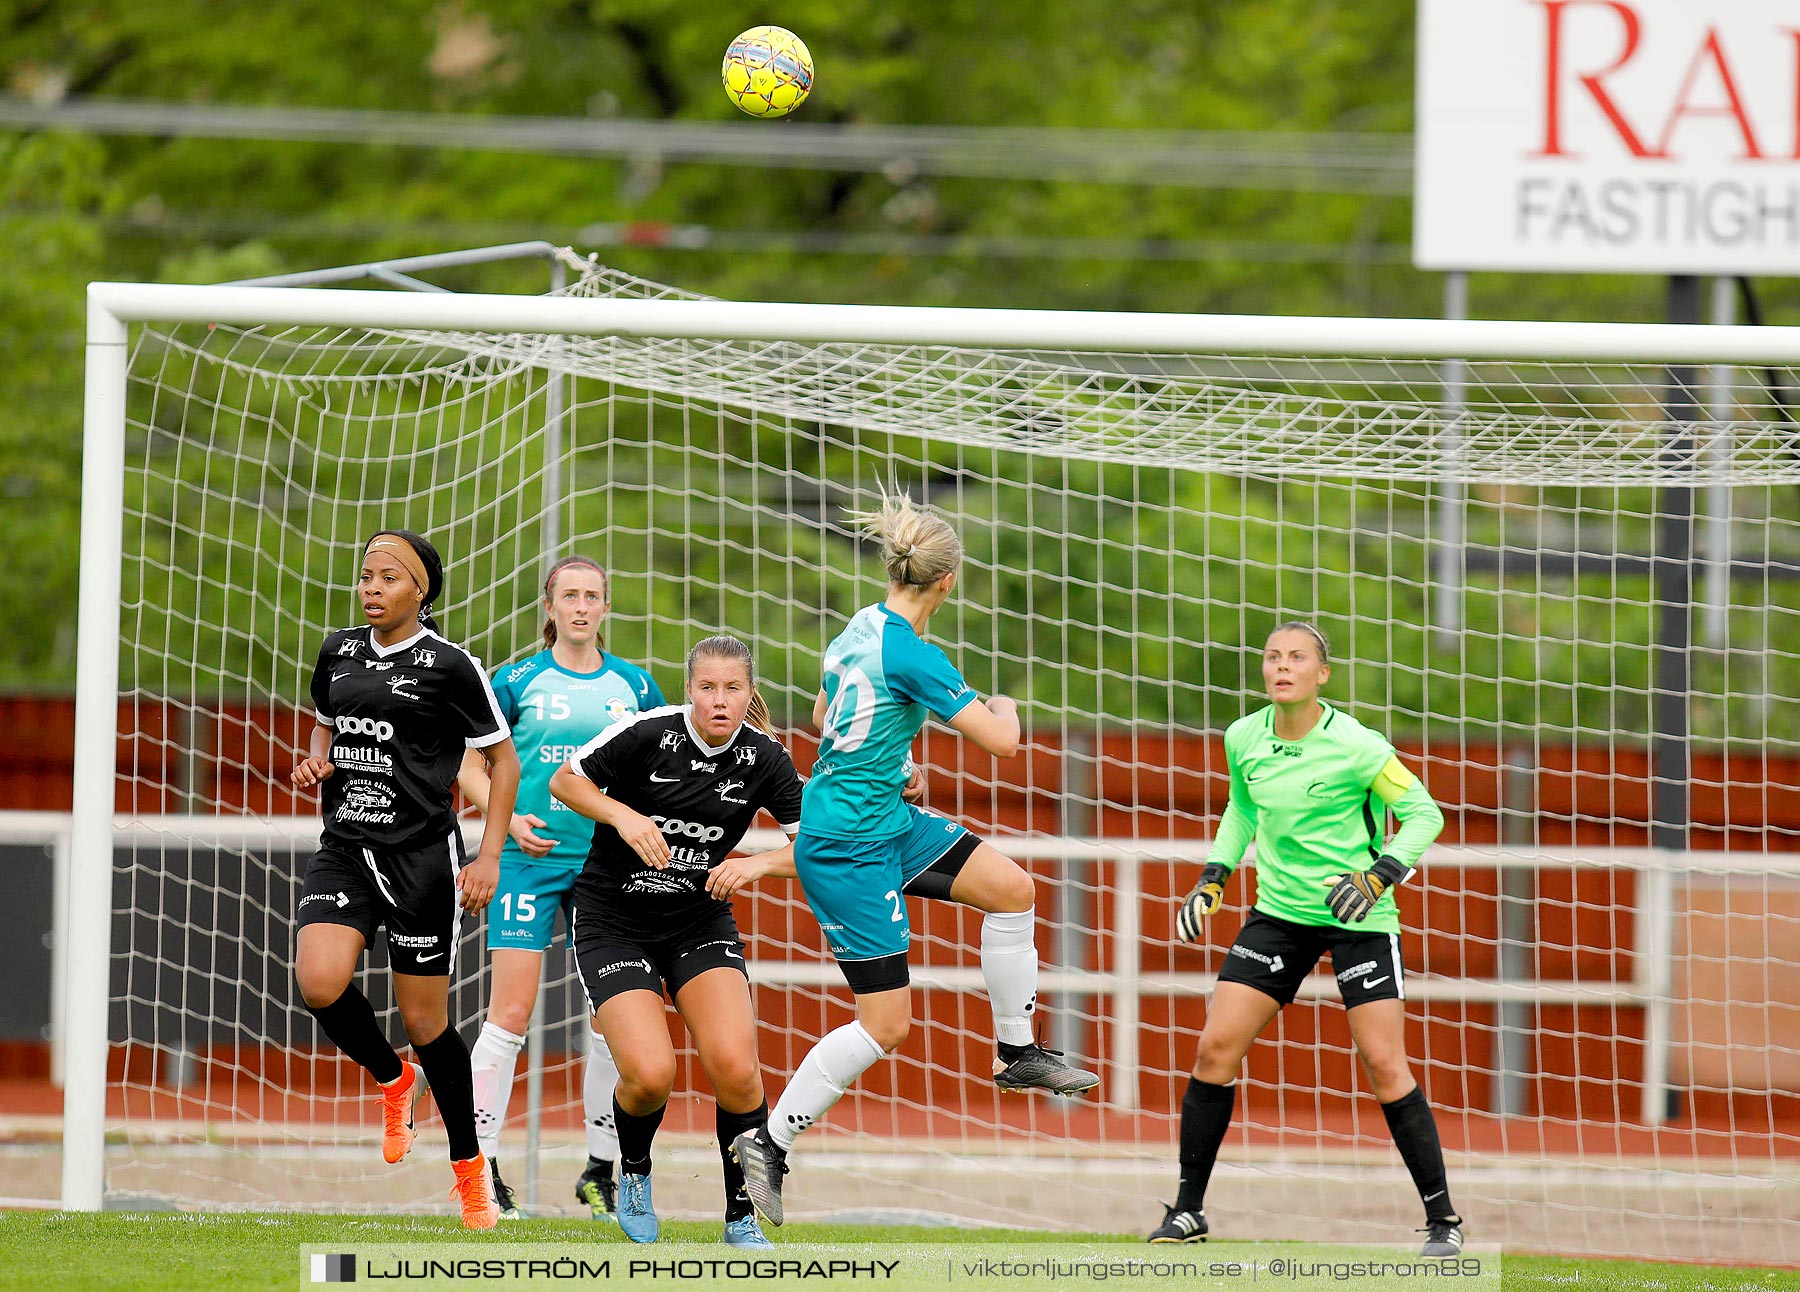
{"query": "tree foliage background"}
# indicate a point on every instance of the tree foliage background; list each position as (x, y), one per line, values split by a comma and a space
(74, 208)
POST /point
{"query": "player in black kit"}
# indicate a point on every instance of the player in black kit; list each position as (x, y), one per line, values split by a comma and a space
(396, 705)
(674, 789)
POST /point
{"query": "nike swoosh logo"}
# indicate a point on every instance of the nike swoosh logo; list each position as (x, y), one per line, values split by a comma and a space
(665, 780)
(1430, 1196)
(1376, 982)
(433, 956)
(336, 676)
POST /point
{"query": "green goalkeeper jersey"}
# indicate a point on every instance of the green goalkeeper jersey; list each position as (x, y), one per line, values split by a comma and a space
(1317, 807)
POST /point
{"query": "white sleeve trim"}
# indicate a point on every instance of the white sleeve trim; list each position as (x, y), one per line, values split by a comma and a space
(789, 830)
(487, 688)
(623, 724)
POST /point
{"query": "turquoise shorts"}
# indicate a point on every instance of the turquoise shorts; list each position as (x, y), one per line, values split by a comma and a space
(522, 916)
(855, 886)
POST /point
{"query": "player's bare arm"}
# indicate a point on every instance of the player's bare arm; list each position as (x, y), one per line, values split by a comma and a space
(316, 766)
(640, 833)
(993, 725)
(735, 873)
(473, 780)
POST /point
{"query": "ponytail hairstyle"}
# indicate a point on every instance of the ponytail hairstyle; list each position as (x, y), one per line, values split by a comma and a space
(426, 567)
(1302, 626)
(918, 547)
(725, 646)
(550, 582)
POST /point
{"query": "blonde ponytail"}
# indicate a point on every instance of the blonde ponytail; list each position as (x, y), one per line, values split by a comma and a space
(918, 547)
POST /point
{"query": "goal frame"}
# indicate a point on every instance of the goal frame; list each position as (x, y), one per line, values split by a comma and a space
(114, 306)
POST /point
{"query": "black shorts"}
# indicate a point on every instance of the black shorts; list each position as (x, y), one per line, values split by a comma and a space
(1274, 956)
(614, 956)
(411, 892)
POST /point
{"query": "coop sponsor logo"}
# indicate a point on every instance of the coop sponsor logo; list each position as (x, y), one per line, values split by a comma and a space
(689, 829)
(379, 728)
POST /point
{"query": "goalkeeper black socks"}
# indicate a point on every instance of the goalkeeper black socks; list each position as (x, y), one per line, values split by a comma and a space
(730, 1126)
(446, 1064)
(635, 1134)
(1205, 1117)
(1415, 1134)
(350, 1023)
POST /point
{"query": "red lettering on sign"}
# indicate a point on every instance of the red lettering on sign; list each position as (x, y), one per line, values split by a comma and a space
(1710, 50)
(1591, 81)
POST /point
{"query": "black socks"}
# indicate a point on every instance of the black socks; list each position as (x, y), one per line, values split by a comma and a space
(1205, 1117)
(1415, 1134)
(350, 1023)
(446, 1064)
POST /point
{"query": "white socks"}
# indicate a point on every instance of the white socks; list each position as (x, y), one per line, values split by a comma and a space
(1009, 966)
(821, 1079)
(597, 1083)
(492, 1063)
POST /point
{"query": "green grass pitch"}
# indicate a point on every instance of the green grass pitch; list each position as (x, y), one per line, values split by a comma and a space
(235, 1252)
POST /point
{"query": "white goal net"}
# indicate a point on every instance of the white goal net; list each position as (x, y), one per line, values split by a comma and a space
(1567, 588)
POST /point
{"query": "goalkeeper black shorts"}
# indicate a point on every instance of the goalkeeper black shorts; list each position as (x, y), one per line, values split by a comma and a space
(1275, 955)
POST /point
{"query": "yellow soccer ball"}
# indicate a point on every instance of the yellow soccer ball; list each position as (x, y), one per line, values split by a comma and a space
(768, 71)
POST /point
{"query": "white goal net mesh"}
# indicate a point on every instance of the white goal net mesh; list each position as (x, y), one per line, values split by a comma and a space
(1605, 1007)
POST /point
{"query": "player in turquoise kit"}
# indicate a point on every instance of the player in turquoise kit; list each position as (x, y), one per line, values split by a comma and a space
(556, 701)
(1312, 787)
(862, 848)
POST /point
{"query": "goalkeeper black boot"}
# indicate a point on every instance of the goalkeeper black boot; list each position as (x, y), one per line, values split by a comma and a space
(1443, 1236)
(503, 1194)
(1179, 1227)
(1032, 1067)
(764, 1163)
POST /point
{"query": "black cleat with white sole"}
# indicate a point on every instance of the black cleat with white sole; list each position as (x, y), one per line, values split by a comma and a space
(1035, 1068)
(1179, 1227)
(764, 1163)
(503, 1194)
(1443, 1237)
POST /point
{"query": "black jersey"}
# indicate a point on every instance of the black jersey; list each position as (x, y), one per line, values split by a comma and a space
(702, 797)
(400, 718)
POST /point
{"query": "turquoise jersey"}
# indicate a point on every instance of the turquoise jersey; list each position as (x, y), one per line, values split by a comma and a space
(553, 712)
(880, 682)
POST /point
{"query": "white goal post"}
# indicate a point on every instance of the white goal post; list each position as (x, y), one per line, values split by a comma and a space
(1220, 397)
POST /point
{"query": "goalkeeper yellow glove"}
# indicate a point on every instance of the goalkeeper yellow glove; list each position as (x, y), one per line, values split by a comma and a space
(1207, 896)
(1354, 894)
